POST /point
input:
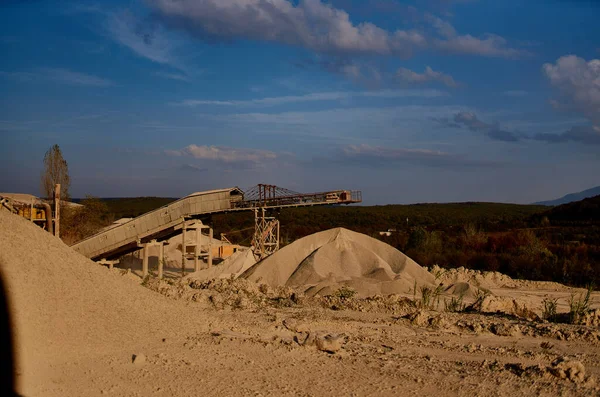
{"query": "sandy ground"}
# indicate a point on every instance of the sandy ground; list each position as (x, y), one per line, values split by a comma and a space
(78, 327)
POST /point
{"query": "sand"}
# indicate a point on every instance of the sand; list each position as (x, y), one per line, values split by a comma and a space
(78, 327)
(233, 266)
(66, 306)
(325, 261)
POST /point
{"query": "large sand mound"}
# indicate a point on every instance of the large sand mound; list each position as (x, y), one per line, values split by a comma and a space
(65, 307)
(324, 261)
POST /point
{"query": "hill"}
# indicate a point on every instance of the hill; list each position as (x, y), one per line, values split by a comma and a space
(584, 211)
(595, 191)
(130, 207)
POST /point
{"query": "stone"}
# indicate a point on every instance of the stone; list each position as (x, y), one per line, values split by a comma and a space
(329, 343)
(564, 368)
(295, 326)
(138, 359)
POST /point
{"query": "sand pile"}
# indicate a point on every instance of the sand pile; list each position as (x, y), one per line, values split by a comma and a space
(321, 263)
(489, 280)
(233, 266)
(65, 307)
(474, 277)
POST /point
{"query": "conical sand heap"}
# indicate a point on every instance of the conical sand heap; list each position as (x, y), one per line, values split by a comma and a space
(325, 261)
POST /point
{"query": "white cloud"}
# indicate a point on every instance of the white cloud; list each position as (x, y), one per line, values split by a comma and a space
(310, 24)
(489, 45)
(379, 156)
(408, 76)
(172, 76)
(320, 96)
(578, 81)
(147, 40)
(225, 154)
(59, 75)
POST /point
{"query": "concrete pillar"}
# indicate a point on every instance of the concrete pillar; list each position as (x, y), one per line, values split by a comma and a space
(145, 261)
(161, 259)
(56, 210)
(210, 253)
(196, 248)
(183, 250)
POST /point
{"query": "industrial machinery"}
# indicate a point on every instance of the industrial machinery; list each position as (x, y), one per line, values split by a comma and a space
(165, 222)
(29, 207)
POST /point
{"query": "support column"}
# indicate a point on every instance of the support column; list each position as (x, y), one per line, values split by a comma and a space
(161, 259)
(145, 261)
(183, 250)
(56, 210)
(196, 248)
(210, 252)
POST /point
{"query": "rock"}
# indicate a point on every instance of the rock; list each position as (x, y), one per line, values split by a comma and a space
(329, 343)
(591, 318)
(138, 359)
(419, 318)
(564, 368)
(295, 326)
(505, 330)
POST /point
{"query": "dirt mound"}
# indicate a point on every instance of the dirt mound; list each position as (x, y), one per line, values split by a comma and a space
(324, 261)
(473, 277)
(462, 289)
(481, 279)
(230, 267)
(64, 306)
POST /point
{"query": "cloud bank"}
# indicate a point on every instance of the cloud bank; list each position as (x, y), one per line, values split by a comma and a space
(225, 154)
(429, 75)
(578, 81)
(470, 121)
(317, 26)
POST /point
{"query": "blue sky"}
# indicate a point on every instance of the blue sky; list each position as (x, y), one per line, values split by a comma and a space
(409, 101)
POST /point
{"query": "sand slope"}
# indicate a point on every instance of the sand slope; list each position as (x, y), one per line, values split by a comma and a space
(65, 306)
(233, 266)
(325, 260)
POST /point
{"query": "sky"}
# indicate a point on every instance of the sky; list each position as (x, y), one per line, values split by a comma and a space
(408, 101)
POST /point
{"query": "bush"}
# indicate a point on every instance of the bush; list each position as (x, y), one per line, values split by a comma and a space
(580, 307)
(77, 223)
(549, 309)
(344, 293)
(456, 305)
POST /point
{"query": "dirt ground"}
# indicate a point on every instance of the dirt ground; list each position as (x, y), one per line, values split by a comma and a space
(263, 342)
(84, 330)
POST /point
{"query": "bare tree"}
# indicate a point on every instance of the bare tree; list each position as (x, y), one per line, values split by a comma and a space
(56, 170)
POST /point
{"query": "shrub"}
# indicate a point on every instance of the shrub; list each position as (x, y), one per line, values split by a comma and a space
(456, 304)
(430, 297)
(579, 307)
(549, 309)
(344, 293)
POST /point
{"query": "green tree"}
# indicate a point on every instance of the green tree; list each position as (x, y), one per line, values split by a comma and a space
(56, 170)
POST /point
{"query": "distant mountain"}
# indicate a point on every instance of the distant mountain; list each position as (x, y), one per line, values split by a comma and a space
(586, 211)
(569, 198)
